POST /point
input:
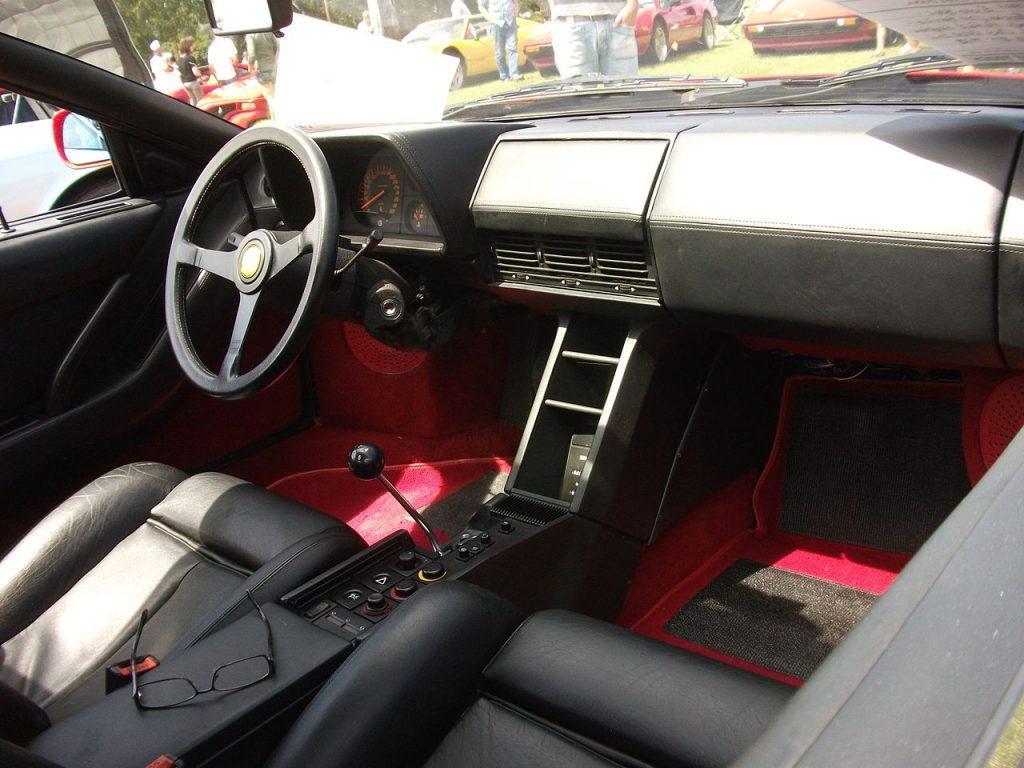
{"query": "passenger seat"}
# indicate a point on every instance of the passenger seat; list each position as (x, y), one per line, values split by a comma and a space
(456, 678)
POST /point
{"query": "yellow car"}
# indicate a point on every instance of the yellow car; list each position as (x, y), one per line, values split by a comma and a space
(467, 38)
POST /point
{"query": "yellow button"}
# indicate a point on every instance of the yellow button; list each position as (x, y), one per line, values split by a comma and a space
(251, 261)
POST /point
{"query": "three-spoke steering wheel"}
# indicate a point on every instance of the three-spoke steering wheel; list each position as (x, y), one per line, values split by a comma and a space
(259, 257)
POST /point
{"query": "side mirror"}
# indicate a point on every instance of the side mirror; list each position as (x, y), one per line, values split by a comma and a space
(80, 141)
(241, 17)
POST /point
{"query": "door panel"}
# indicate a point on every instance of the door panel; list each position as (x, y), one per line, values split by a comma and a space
(81, 314)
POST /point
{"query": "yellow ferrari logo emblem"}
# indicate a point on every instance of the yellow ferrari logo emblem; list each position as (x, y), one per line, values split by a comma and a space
(250, 262)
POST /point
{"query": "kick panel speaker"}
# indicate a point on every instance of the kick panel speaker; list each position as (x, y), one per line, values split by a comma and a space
(1001, 418)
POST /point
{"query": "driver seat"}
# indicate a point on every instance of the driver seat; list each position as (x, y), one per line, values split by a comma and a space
(142, 536)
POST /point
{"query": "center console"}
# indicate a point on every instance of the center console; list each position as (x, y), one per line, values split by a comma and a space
(565, 532)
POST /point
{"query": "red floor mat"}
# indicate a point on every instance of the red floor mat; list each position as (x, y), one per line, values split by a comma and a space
(369, 509)
(866, 569)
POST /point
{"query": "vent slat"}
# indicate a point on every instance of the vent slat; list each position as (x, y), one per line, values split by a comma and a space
(580, 264)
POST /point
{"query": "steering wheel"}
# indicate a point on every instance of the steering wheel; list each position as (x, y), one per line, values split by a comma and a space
(259, 257)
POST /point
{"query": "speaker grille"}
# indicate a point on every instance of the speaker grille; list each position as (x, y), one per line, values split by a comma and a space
(1001, 418)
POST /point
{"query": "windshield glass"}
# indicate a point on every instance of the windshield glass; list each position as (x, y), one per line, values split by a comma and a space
(359, 61)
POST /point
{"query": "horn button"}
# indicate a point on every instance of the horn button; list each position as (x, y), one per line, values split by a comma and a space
(253, 262)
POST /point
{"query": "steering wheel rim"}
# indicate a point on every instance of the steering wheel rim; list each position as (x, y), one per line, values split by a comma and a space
(259, 257)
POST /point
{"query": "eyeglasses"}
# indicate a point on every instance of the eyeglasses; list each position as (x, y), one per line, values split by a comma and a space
(175, 691)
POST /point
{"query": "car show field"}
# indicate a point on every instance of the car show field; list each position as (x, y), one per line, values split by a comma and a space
(734, 56)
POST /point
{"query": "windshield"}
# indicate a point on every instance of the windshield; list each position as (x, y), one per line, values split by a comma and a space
(359, 61)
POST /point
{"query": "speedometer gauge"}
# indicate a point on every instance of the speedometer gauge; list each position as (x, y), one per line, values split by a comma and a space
(379, 196)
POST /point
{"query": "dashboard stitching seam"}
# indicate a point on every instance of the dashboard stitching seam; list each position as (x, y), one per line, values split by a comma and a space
(825, 238)
(752, 222)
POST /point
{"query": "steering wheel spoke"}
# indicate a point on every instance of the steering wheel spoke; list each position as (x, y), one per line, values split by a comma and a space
(229, 368)
(289, 245)
(219, 263)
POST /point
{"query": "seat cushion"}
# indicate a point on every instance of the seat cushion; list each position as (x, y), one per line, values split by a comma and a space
(615, 690)
(186, 549)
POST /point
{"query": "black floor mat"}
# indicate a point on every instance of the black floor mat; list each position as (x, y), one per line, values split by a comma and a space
(878, 471)
(782, 621)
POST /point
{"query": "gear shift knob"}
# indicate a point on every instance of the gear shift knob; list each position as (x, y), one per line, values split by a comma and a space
(366, 461)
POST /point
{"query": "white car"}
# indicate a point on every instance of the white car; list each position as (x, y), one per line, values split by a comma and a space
(33, 176)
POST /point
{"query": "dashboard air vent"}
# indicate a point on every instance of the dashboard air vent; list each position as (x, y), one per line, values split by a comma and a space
(577, 263)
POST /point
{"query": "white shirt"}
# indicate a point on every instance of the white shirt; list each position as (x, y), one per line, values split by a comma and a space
(166, 77)
(221, 55)
(365, 26)
(459, 8)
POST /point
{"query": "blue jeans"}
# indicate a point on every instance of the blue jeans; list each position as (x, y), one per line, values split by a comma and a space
(594, 48)
(506, 43)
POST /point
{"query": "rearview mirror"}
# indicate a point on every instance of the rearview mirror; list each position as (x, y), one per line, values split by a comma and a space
(240, 17)
(80, 141)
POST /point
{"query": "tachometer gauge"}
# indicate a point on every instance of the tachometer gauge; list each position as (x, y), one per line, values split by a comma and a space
(379, 196)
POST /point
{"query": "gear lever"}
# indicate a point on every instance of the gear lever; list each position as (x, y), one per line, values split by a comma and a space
(367, 463)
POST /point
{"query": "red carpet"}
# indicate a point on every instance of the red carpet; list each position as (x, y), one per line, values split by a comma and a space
(369, 509)
(741, 522)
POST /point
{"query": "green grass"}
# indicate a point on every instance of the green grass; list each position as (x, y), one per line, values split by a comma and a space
(733, 58)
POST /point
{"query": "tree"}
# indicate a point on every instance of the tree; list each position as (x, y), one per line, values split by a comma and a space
(167, 21)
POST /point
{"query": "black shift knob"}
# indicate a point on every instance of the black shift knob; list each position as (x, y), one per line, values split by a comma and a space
(366, 461)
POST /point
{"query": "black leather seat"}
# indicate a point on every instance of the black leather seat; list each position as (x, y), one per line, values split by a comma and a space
(455, 678)
(143, 536)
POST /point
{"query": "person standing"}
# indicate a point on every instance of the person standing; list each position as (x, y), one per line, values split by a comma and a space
(595, 37)
(502, 14)
(365, 26)
(223, 56)
(459, 8)
(189, 70)
(261, 54)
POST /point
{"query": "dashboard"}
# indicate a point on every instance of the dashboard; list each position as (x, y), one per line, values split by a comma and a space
(891, 229)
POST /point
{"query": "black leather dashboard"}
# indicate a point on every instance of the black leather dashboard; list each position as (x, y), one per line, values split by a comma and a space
(864, 228)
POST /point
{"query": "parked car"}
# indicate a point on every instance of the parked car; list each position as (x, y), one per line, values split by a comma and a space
(34, 177)
(775, 26)
(467, 38)
(241, 102)
(662, 26)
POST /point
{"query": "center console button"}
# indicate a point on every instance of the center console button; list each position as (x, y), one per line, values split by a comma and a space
(351, 595)
(376, 602)
(407, 561)
(403, 589)
(432, 571)
(317, 608)
(379, 581)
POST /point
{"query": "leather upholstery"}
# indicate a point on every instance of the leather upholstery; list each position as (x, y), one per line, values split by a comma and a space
(73, 538)
(563, 690)
(634, 694)
(392, 700)
(185, 554)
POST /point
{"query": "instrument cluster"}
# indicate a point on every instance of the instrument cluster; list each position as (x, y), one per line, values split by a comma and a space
(385, 197)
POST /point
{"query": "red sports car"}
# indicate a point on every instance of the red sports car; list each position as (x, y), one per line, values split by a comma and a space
(661, 27)
(241, 102)
(787, 25)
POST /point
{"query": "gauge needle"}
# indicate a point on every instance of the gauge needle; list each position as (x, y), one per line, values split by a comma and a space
(373, 200)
